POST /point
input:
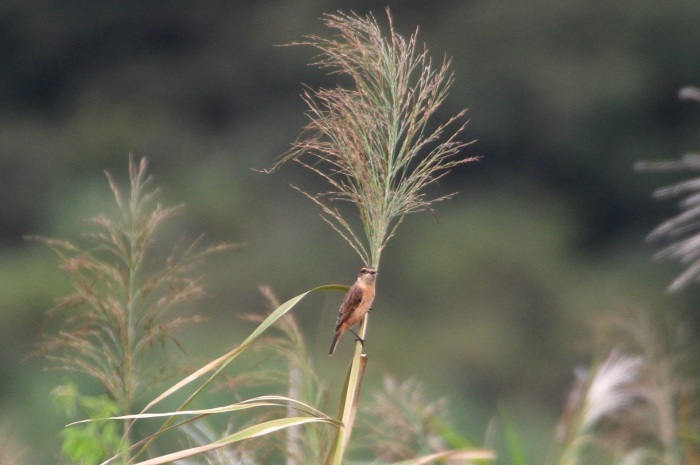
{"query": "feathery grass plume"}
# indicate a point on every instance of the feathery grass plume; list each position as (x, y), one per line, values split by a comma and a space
(634, 406)
(670, 394)
(400, 423)
(598, 405)
(376, 143)
(612, 388)
(123, 294)
(683, 230)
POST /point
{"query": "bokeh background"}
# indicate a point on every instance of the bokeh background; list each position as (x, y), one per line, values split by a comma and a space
(494, 304)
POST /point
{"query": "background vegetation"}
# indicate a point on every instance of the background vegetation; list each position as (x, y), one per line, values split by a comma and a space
(495, 304)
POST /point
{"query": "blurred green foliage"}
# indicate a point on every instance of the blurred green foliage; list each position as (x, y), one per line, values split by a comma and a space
(492, 303)
(90, 443)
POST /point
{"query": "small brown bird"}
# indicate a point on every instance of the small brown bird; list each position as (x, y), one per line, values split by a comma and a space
(355, 304)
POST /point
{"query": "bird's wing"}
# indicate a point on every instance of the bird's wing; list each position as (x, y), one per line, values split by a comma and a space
(352, 300)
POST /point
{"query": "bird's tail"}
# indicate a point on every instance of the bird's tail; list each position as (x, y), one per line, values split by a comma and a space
(335, 342)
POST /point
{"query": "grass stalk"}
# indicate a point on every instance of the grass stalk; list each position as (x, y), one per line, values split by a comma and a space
(376, 145)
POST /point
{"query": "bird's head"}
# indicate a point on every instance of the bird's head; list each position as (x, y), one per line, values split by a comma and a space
(368, 275)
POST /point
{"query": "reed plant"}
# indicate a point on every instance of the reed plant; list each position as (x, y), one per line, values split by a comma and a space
(376, 144)
(635, 405)
(121, 311)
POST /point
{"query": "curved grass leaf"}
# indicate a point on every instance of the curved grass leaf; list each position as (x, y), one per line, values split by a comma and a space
(247, 433)
(262, 401)
(461, 454)
(222, 362)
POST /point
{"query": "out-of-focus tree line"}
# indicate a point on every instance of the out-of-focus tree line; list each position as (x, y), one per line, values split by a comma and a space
(494, 302)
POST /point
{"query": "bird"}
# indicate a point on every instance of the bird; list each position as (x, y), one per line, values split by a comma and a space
(355, 304)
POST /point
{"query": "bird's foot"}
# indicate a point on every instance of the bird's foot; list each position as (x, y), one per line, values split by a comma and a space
(358, 338)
